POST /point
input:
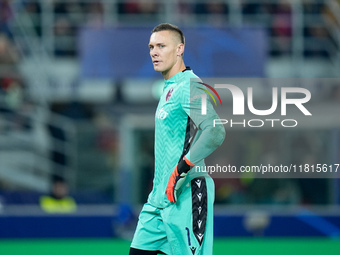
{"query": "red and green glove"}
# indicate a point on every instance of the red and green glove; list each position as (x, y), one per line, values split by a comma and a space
(177, 178)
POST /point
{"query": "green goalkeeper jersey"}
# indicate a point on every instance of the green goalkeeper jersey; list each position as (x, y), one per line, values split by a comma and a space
(179, 109)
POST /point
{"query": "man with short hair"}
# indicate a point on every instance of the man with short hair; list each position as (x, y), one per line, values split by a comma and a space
(178, 216)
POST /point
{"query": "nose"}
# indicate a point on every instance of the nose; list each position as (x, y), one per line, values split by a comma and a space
(153, 53)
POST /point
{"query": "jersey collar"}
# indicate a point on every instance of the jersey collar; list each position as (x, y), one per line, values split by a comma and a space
(177, 77)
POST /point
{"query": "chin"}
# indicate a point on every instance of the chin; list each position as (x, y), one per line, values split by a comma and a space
(157, 69)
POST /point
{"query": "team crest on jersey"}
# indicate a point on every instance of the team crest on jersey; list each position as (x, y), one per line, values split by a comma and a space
(169, 94)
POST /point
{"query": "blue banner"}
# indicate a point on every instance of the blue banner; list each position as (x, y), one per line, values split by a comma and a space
(120, 53)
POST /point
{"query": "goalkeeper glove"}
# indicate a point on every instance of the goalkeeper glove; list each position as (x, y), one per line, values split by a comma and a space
(177, 178)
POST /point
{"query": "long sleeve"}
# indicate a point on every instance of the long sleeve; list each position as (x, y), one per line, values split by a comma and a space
(208, 137)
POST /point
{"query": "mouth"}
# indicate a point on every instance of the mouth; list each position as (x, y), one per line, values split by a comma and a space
(155, 62)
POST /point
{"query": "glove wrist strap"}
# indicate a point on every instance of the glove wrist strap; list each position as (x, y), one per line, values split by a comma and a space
(184, 165)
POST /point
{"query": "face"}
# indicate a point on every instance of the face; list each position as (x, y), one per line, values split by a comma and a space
(60, 189)
(165, 51)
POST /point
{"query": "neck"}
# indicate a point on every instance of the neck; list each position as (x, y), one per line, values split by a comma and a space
(178, 67)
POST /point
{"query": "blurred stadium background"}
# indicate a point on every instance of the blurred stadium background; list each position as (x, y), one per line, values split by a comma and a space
(77, 98)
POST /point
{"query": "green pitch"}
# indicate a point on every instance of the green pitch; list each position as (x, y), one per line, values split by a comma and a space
(246, 246)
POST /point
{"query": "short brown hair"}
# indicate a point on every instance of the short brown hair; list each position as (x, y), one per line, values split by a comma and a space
(169, 27)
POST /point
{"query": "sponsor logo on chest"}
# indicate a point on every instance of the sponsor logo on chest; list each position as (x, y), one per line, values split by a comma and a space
(161, 114)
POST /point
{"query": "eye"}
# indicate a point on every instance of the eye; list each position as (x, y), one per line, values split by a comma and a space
(150, 47)
(161, 46)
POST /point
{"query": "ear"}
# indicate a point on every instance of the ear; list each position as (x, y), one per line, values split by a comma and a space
(180, 49)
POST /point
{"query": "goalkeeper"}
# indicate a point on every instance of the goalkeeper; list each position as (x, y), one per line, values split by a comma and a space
(178, 216)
